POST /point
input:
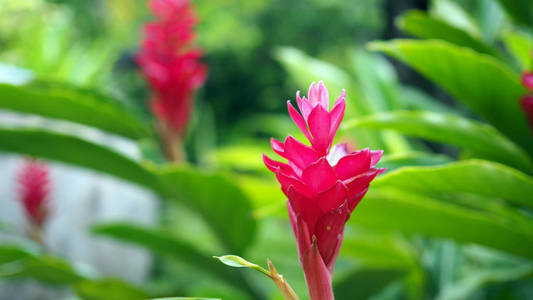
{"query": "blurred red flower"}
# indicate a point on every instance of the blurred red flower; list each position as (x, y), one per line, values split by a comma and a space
(527, 100)
(323, 184)
(33, 190)
(169, 64)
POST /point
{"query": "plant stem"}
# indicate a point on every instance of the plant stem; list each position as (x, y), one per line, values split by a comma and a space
(284, 287)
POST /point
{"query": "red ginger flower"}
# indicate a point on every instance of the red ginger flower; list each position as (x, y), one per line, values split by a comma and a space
(527, 100)
(171, 67)
(33, 189)
(323, 186)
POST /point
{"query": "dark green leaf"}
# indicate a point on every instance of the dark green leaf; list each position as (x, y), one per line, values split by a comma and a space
(421, 25)
(520, 10)
(72, 150)
(108, 289)
(47, 269)
(218, 199)
(394, 210)
(481, 140)
(162, 242)
(393, 162)
(473, 176)
(85, 110)
(10, 253)
(483, 83)
(362, 284)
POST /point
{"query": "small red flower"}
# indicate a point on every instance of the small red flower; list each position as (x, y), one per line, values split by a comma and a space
(33, 190)
(527, 100)
(170, 65)
(323, 184)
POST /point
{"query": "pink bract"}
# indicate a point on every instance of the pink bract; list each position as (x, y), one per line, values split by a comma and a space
(33, 189)
(323, 184)
(171, 67)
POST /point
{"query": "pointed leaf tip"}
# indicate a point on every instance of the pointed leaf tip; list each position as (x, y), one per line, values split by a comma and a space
(239, 262)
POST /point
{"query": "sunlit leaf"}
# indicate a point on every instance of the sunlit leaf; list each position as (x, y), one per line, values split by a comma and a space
(473, 176)
(108, 289)
(76, 151)
(480, 139)
(421, 25)
(481, 82)
(218, 199)
(416, 213)
(104, 115)
(164, 243)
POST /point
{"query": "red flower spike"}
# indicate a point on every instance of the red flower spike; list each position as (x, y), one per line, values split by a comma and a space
(169, 64)
(33, 189)
(527, 80)
(323, 184)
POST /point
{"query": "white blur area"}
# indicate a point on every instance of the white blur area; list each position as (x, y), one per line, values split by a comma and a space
(79, 198)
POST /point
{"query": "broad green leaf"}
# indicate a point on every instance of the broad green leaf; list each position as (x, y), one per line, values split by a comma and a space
(362, 284)
(520, 44)
(76, 151)
(46, 269)
(163, 243)
(466, 287)
(104, 115)
(218, 199)
(397, 210)
(421, 25)
(12, 252)
(377, 250)
(481, 140)
(306, 69)
(393, 162)
(185, 298)
(239, 262)
(377, 79)
(481, 82)
(418, 100)
(454, 14)
(108, 289)
(380, 92)
(476, 177)
(520, 10)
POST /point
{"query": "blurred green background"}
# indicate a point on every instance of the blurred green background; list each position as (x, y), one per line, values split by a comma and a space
(451, 219)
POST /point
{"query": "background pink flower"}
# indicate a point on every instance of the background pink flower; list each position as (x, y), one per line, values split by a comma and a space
(33, 190)
(171, 67)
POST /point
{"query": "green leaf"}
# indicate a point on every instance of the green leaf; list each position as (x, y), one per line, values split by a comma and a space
(481, 82)
(520, 45)
(239, 262)
(47, 269)
(421, 25)
(393, 162)
(482, 140)
(185, 298)
(218, 199)
(418, 100)
(414, 213)
(473, 176)
(162, 242)
(465, 288)
(76, 151)
(362, 284)
(520, 10)
(104, 115)
(306, 69)
(108, 289)
(10, 253)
